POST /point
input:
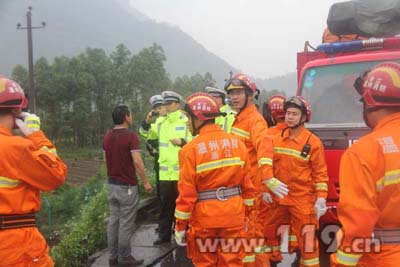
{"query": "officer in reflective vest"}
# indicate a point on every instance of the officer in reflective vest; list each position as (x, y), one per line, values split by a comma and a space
(155, 117)
(225, 121)
(172, 134)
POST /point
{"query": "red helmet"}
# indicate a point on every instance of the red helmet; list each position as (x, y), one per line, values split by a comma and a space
(240, 81)
(276, 106)
(300, 103)
(202, 106)
(11, 94)
(380, 86)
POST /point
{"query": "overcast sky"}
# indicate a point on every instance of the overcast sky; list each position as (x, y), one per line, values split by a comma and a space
(260, 37)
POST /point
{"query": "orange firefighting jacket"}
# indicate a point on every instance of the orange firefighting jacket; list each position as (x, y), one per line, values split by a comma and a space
(27, 166)
(306, 177)
(212, 160)
(277, 129)
(369, 186)
(251, 128)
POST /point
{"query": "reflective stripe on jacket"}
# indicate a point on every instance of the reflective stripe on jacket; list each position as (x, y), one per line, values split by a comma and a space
(251, 128)
(171, 127)
(307, 176)
(212, 160)
(277, 129)
(27, 166)
(369, 187)
(226, 122)
(152, 133)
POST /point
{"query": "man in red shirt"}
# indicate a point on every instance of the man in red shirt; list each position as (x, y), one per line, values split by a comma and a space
(123, 159)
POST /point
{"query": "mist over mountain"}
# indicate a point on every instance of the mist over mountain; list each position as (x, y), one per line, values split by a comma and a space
(286, 83)
(74, 25)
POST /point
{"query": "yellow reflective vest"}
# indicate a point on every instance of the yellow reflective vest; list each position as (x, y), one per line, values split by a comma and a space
(172, 126)
(226, 122)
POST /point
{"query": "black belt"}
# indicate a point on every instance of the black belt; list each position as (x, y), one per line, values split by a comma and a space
(388, 235)
(117, 182)
(17, 221)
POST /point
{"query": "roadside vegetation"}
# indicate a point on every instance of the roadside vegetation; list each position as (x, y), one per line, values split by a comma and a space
(73, 218)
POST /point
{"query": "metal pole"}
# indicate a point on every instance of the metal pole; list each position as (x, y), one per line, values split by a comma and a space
(32, 93)
(31, 80)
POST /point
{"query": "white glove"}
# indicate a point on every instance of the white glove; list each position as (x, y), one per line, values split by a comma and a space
(267, 198)
(28, 124)
(277, 187)
(180, 238)
(320, 207)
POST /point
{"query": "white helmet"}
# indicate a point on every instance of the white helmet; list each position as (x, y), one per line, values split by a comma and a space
(215, 92)
(156, 100)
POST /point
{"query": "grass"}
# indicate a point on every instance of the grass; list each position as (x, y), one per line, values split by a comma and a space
(73, 218)
(60, 208)
(78, 152)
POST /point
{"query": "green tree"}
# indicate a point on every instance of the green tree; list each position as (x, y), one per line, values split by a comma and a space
(186, 85)
(147, 76)
(20, 75)
(97, 64)
(120, 59)
(76, 95)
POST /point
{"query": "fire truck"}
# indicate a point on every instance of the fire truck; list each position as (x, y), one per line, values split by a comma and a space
(325, 78)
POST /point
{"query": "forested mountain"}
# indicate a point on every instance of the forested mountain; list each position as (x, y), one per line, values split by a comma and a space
(286, 83)
(74, 25)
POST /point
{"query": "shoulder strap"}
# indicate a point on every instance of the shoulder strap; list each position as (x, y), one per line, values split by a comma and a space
(306, 148)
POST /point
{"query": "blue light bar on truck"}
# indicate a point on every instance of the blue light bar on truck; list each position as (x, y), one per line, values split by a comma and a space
(337, 47)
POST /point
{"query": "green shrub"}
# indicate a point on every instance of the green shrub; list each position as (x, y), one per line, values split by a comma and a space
(87, 233)
(61, 205)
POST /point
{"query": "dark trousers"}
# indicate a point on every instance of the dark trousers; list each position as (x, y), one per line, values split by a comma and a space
(157, 172)
(168, 193)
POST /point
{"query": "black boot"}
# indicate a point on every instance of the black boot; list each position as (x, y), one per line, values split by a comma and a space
(161, 241)
(296, 262)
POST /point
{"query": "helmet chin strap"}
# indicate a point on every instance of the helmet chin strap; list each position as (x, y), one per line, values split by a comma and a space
(299, 123)
(365, 117)
(366, 110)
(193, 126)
(245, 102)
(296, 126)
(197, 129)
(293, 127)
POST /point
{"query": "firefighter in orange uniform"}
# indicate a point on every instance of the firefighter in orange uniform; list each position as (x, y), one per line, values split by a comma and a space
(251, 128)
(370, 176)
(214, 186)
(28, 165)
(274, 114)
(299, 162)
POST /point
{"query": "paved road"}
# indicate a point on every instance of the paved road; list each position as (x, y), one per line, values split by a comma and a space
(142, 244)
(167, 255)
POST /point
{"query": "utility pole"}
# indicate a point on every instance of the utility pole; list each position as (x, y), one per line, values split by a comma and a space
(29, 27)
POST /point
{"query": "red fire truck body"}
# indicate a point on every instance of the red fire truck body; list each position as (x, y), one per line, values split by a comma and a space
(325, 79)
